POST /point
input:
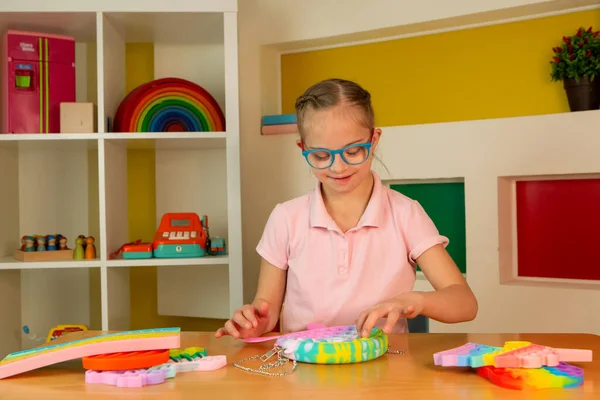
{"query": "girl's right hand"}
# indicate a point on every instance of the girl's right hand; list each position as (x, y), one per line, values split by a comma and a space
(248, 321)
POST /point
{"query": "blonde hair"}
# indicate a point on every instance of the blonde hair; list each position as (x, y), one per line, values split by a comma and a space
(330, 93)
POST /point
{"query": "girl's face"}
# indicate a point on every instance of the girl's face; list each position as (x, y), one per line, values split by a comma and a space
(334, 129)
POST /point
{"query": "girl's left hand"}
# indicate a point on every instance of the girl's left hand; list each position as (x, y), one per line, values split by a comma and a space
(406, 305)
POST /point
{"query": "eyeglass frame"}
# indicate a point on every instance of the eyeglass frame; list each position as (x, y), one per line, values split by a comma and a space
(333, 153)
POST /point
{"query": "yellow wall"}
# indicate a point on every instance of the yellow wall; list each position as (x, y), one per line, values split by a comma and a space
(488, 72)
(142, 211)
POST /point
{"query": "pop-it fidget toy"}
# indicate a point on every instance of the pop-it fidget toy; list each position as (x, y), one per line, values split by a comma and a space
(178, 360)
(519, 364)
(320, 345)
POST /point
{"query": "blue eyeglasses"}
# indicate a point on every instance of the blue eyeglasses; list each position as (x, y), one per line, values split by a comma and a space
(353, 154)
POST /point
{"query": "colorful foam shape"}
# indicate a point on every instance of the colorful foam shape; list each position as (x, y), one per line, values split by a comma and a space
(131, 360)
(137, 340)
(330, 345)
(208, 363)
(562, 376)
(467, 355)
(129, 379)
(169, 105)
(154, 375)
(189, 353)
(514, 354)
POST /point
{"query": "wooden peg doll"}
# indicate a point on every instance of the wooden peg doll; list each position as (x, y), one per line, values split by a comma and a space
(82, 237)
(78, 252)
(51, 243)
(41, 243)
(29, 244)
(63, 243)
(90, 249)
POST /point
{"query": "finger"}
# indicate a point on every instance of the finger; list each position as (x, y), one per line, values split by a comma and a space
(231, 329)
(370, 321)
(248, 312)
(361, 321)
(221, 332)
(239, 319)
(392, 318)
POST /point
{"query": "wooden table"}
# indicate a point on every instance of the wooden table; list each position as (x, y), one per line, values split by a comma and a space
(410, 376)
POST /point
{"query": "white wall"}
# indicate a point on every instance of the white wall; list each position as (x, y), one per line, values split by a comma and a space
(320, 21)
(273, 171)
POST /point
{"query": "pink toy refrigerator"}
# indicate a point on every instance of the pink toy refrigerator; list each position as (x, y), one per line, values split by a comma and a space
(38, 73)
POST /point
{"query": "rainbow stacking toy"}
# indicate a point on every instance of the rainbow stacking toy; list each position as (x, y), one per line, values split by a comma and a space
(139, 340)
(169, 105)
(519, 364)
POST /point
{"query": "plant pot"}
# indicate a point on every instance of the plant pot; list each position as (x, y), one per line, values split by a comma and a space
(583, 95)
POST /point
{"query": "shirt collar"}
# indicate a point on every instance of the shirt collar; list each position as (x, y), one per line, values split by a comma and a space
(373, 215)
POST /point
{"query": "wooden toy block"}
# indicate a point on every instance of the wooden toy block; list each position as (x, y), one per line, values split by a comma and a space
(38, 256)
(77, 118)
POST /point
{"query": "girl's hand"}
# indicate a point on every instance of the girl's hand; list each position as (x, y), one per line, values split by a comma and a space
(248, 321)
(407, 305)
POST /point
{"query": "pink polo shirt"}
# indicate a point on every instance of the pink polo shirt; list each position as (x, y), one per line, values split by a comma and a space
(333, 276)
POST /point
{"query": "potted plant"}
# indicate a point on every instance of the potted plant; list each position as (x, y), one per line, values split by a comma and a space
(576, 62)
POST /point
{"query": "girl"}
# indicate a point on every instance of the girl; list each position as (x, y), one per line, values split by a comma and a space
(346, 252)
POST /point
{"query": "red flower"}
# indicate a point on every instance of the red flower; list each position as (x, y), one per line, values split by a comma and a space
(566, 40)
(557, 59)
(570, 48)
(596, 34)
(588, 54)
(572, 57)
(579, 32)
(589, 29)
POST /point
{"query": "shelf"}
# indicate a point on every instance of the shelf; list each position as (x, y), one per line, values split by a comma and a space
(169, 140)
(143, 140)
(120, 5)
(166, 262)
(29, 137)
(80, 183)
(9, 262)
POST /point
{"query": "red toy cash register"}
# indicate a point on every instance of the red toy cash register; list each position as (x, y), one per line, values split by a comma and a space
(181, 235)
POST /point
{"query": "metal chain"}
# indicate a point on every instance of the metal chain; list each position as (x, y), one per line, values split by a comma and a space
(280, 362)
(265, 367)
(390, 351)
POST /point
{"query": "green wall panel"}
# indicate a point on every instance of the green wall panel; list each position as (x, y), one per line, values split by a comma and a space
(445, 205)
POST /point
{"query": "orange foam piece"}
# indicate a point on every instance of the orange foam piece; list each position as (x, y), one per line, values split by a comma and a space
(147, 339)
(126, 361)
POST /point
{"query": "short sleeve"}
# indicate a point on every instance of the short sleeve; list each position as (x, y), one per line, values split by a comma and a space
(273, 245)
(420, 232)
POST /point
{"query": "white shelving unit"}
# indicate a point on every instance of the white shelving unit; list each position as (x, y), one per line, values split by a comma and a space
(77, 183)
